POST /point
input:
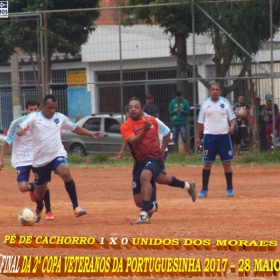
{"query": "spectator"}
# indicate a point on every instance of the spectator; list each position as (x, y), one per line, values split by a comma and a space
(243, 120)
(268, 119)
(261, 123)
(150, 108)
(179, 109)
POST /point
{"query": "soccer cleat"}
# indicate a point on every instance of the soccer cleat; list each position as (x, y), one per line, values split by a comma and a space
(39, 214)
(230, 193)
(32, 195)
(144, 218)
(191, 191)
(155, 207)
(49, 216)
(79, 211)
(203, 193)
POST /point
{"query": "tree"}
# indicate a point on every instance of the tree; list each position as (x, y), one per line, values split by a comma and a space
(67, 31)
(175, 20)
(247, 22)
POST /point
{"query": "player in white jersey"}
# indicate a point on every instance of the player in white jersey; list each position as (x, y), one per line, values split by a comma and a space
(22, 155)
(48, 153)
(217, 121)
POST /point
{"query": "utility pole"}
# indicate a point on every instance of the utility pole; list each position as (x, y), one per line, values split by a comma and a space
(17, 112)
(46, 56)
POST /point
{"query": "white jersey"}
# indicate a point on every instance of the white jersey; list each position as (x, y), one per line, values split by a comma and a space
(46, 136)
(215, 116)
(22, 151)
(163, 130)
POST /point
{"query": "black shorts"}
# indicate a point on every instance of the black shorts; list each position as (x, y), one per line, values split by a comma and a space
(242, 134)
(155, 166)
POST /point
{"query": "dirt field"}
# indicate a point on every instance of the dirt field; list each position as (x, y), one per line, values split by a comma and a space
(252, 214)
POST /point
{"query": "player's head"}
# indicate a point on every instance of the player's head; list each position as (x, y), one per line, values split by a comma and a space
(149, 99)
(178, 95)
(268, 99)
(49, 106)
(135, 109)
(215, 91)
(241, 99)
(31, 105)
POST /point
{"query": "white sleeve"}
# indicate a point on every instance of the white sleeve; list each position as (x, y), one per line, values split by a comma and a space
(162, 128)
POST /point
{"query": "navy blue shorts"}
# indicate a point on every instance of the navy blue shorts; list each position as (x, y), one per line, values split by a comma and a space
(43, 174)
(155, 166)
(23, 173)
(214, 145)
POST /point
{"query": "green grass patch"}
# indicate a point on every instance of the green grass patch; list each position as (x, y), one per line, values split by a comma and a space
(256, 158)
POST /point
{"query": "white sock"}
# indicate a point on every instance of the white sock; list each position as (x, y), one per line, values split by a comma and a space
(187, 185)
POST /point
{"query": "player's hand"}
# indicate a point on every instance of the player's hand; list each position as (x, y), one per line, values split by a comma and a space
(1, 164)
(230, 130)
(147, 125)
(22, 132)
(96, 134)
(197, 141)
(120, 154)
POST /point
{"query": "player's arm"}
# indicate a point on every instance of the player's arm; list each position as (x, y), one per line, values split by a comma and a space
(121, 152)
(165, 141)
(82, 131)
(2, 154)
(232, 123)
(165, 132)
(199, 129)
(135, 140)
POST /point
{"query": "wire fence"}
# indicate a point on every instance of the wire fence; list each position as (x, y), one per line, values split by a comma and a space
(119, 61)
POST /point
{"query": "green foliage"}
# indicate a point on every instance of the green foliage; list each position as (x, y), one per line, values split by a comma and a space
(267, 158)
(75, 159)
(98, 158)
(66, 31)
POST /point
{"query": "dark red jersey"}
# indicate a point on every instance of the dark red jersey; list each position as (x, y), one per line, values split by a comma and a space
(149, 148)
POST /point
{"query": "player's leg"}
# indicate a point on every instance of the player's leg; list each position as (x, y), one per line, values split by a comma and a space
(47, 200)
(183, 132)
(208, 156)
(23, 173)
(136, 189)
(42, 176)
(148, 174)
(226, 156)
(172, 181)
(61, 168)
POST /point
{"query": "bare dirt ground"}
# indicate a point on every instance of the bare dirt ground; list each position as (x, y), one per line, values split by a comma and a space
(252, 214)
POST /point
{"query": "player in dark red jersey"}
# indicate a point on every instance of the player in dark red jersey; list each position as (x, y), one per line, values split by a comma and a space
(141, 133)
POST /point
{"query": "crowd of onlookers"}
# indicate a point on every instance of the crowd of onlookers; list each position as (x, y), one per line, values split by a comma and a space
(244, 120)
(179, 109)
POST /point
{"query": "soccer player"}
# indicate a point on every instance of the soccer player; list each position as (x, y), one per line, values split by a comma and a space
(141, 133)
(22, 156)
(217, 118)
(49, 154)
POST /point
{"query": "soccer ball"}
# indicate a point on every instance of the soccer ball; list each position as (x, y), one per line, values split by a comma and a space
(27, 217)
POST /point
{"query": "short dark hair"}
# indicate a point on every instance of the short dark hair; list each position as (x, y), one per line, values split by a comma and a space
(216, 84)
(178, 93)
(31, 102)
(47, 97)
(135, 99)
